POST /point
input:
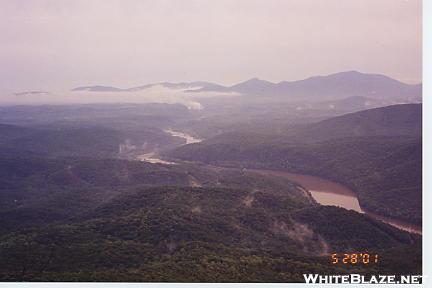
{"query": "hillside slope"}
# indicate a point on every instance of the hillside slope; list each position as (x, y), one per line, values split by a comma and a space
(395, 120)
(200, 234)
(93, 141)
(376, 152)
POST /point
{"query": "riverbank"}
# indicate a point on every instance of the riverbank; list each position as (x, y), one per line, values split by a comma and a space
(325, 192)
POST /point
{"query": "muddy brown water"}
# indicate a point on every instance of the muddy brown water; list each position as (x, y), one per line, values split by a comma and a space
(327, 192)
(324, 191)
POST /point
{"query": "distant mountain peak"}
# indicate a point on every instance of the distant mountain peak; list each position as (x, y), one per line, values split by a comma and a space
(252, 84)
(255, 80)
(352, 72)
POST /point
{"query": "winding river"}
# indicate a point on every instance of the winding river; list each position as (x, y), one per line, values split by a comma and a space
(324, 191)
(152, 157)
(327, 192)
(189, 139)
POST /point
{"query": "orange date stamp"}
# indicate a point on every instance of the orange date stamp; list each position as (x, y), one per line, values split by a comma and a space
(354, 258)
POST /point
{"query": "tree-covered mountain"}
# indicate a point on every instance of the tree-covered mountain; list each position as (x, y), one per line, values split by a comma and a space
(345, 105)
(233, 228)
(395, 120)
(93, 141)
(155, 115)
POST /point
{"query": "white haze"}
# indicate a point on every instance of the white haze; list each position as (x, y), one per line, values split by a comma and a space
(155, 94)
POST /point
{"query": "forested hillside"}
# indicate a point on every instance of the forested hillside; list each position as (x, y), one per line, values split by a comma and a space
(198, 234)
(385, 170)
(396, 120)
(75, 205)
(93, 141)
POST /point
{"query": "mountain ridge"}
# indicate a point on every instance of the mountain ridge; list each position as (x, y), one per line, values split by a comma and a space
(256, 83)
(333, 86)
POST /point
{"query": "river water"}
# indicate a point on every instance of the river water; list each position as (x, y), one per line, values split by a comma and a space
(189, 139)
(327, 192)
(153, 157)
(324, 191)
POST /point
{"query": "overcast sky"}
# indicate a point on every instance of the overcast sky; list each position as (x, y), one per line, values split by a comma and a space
(63, 44)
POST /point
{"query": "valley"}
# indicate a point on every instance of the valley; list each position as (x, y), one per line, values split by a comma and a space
(325, 192)
(233, 141)
(238, 191)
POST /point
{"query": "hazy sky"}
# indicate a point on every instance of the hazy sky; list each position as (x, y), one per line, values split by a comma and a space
(63, 44)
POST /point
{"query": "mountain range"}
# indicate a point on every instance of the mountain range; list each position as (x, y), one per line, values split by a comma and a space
(335, 86)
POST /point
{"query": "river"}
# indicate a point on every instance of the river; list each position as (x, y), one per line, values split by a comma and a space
(324, 191)
(152, 157)
(189, 139)
(327, 192)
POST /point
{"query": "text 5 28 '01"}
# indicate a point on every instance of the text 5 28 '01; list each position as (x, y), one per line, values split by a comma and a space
(354, 258)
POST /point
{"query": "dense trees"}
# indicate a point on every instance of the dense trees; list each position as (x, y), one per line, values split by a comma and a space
(385, 172)
(70, 212)
(168, 233)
